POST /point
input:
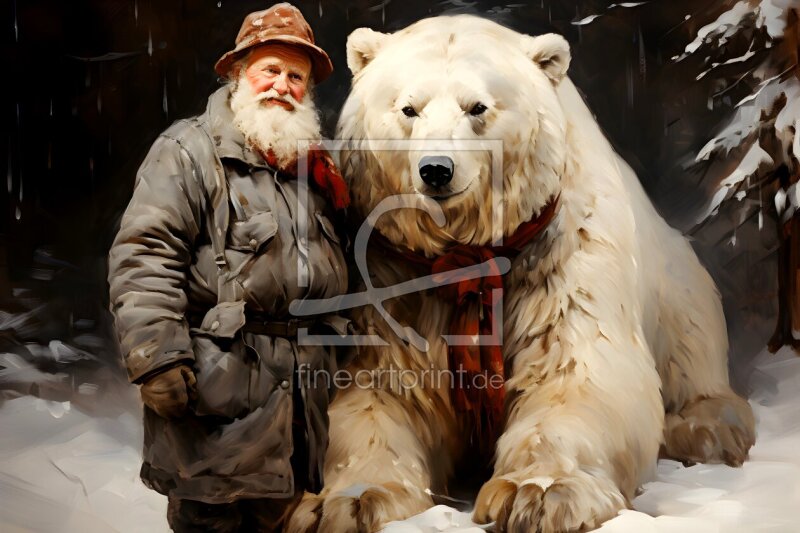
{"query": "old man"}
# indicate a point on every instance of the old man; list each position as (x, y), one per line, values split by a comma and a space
(210, 252)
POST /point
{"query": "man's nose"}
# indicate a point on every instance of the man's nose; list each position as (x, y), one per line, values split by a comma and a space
(281, 85)
(436, 170)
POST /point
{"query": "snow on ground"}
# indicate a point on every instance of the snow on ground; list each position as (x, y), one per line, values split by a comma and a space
(62, 471)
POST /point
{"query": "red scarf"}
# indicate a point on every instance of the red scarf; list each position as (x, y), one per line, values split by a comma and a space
(473, 315)
(324, 174)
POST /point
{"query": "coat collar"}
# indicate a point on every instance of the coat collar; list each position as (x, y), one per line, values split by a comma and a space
(228, 140)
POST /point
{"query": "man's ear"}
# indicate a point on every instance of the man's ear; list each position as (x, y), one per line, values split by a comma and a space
(550, 52)
(362, 46)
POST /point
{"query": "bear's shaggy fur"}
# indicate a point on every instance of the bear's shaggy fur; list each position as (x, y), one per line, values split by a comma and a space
(614, 336)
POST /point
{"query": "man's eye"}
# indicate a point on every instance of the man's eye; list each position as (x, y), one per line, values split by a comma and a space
(296, 77)
(409, 111)
(478, 109)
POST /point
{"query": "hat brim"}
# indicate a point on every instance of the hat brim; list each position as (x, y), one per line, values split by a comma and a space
(321, 66)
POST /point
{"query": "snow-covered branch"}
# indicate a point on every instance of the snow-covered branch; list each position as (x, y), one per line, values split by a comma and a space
(769, 15)
(753, 159)
(591, 18)
(760, 135)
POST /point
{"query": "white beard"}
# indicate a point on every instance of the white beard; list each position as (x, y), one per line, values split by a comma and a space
(271, 127)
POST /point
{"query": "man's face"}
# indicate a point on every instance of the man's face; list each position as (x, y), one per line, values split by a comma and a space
(284, 68)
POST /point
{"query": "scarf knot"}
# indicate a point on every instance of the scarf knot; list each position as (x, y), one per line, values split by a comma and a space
(462, 256)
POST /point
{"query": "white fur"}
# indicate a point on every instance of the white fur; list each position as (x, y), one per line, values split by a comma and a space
(608, 308)
(272, 127)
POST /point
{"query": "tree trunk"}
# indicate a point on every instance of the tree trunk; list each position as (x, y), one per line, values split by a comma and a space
(787, 331)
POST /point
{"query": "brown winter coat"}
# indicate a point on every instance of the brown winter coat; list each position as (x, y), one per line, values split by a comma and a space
(198, 184)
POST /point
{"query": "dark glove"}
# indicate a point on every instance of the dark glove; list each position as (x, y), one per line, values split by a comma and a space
(168, 392)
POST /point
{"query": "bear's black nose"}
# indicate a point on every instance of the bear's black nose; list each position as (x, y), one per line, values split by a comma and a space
(436, 170)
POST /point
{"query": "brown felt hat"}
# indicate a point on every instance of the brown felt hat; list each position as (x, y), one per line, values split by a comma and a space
(281, 23)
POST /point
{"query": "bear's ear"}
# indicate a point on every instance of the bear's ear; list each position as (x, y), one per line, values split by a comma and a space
(550, 52)
(362, 45)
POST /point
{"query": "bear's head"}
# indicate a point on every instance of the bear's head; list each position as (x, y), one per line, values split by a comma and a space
(475, 85)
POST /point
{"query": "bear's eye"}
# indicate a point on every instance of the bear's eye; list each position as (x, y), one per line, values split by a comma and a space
(409, 111)
(477, 109)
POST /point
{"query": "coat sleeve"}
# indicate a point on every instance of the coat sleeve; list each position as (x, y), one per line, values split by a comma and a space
(149, 260)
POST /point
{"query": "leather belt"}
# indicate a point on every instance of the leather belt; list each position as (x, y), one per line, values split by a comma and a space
(277, 328)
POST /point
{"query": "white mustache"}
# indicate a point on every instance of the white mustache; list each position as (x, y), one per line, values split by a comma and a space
(273, 94)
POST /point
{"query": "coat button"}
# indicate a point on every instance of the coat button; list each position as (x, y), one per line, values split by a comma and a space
(285, 384)
(214, 325)
(253, 244)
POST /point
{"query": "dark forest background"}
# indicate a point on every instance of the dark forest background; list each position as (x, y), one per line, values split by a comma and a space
(89, 84)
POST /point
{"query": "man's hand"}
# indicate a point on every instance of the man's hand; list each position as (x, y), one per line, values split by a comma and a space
(168, 393)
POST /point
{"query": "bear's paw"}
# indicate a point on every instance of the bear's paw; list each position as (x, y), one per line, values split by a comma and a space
(344, 512)
(570, 503)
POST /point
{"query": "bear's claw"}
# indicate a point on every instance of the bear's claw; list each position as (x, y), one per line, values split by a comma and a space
(571, 503)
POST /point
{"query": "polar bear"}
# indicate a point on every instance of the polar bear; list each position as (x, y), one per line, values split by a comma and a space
(614, 341)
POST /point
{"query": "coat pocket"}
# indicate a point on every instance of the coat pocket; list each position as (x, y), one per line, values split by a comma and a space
(252, 234)
(223, 320)
(223, 377)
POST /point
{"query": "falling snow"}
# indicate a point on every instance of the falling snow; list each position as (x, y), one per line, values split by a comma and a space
(9, 172)
(164, 104)
(16, 24)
